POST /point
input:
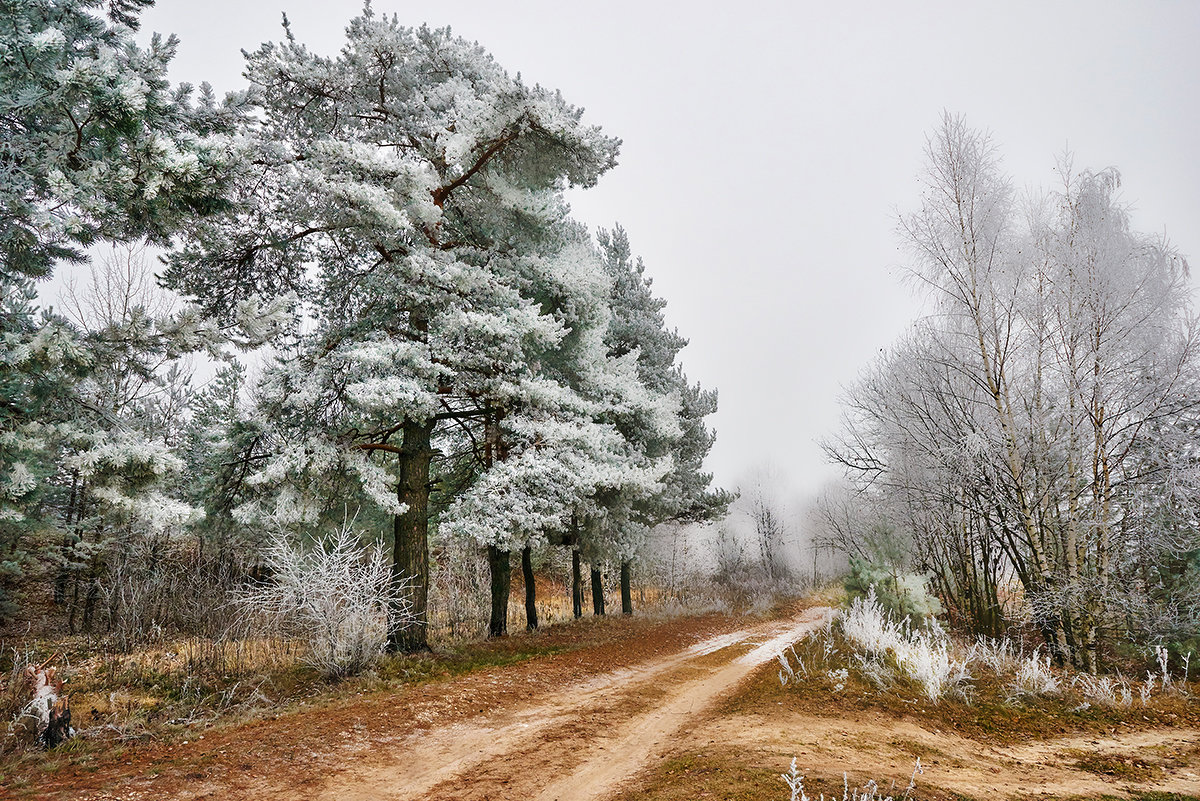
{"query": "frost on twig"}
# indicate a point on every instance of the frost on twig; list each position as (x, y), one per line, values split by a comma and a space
(336, 596)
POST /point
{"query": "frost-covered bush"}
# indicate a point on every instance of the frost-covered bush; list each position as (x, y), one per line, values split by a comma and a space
(869, 627)
(999, 656)
(875, 647)
(929, 661)
(335, 596)
(1107, 690)
(903, 593)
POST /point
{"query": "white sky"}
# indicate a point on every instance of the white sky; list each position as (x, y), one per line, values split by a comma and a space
(768, 146)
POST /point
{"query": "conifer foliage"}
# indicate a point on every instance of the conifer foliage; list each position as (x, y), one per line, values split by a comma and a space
(451, 354)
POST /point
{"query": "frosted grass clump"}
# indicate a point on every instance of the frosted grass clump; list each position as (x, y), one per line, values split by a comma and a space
(924, 657)
(869, 627)
(1107, 690)
(1034, 678)
(868, 792)
(928, 661)
(998, 656)
(1160, 651)
(787, 673)
(876, 671)
(335, 596)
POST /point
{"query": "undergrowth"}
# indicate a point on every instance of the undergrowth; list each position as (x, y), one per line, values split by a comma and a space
(988, 689)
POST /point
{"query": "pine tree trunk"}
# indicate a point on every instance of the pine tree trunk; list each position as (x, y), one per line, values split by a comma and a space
(531, 619)
(89, 603)
(597, 592)
(410, 562)
(70, 520)
(576, 585)
(626, 594)
(498, 560)
(62, 581)
(501, 585)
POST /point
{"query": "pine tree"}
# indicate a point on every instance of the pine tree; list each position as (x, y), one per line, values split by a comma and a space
(638, 329)
(409, 193)
(96, 147)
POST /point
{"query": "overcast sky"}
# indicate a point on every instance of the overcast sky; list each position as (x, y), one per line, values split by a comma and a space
(769, 146)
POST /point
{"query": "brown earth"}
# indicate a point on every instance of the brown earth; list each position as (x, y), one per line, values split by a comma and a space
(648, 710)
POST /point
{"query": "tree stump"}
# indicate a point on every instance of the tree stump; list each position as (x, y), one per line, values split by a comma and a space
(47, 705)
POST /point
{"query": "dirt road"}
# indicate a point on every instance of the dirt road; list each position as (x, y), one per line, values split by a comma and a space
(581, 741)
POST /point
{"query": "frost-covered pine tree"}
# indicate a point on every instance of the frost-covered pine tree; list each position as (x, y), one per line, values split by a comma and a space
(638, 328)
(563, 443)
(408, 191)
(96, 147)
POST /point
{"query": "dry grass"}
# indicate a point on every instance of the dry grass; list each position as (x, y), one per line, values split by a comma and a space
(985, 710)
(1127, 767)
(169, 690)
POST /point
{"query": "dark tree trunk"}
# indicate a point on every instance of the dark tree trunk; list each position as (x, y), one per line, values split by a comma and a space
(501, 585)
(70, 520)
(62, 581)
(89, 603)
(576, 585)
(626, 594)
(597, 592)
(531, 621)
(410, 562)
(74, 605)
(494, 450)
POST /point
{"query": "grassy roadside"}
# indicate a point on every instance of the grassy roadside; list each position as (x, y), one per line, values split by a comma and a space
(160, 696)
(705, 765)
(738, 774)
(982, 741)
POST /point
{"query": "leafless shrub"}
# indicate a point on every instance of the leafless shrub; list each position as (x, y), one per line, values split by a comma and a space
(459, 603)
(334, 596)
(20, 731)
(156, 586)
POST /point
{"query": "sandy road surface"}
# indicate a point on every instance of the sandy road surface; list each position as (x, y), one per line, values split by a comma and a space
(581, 741)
